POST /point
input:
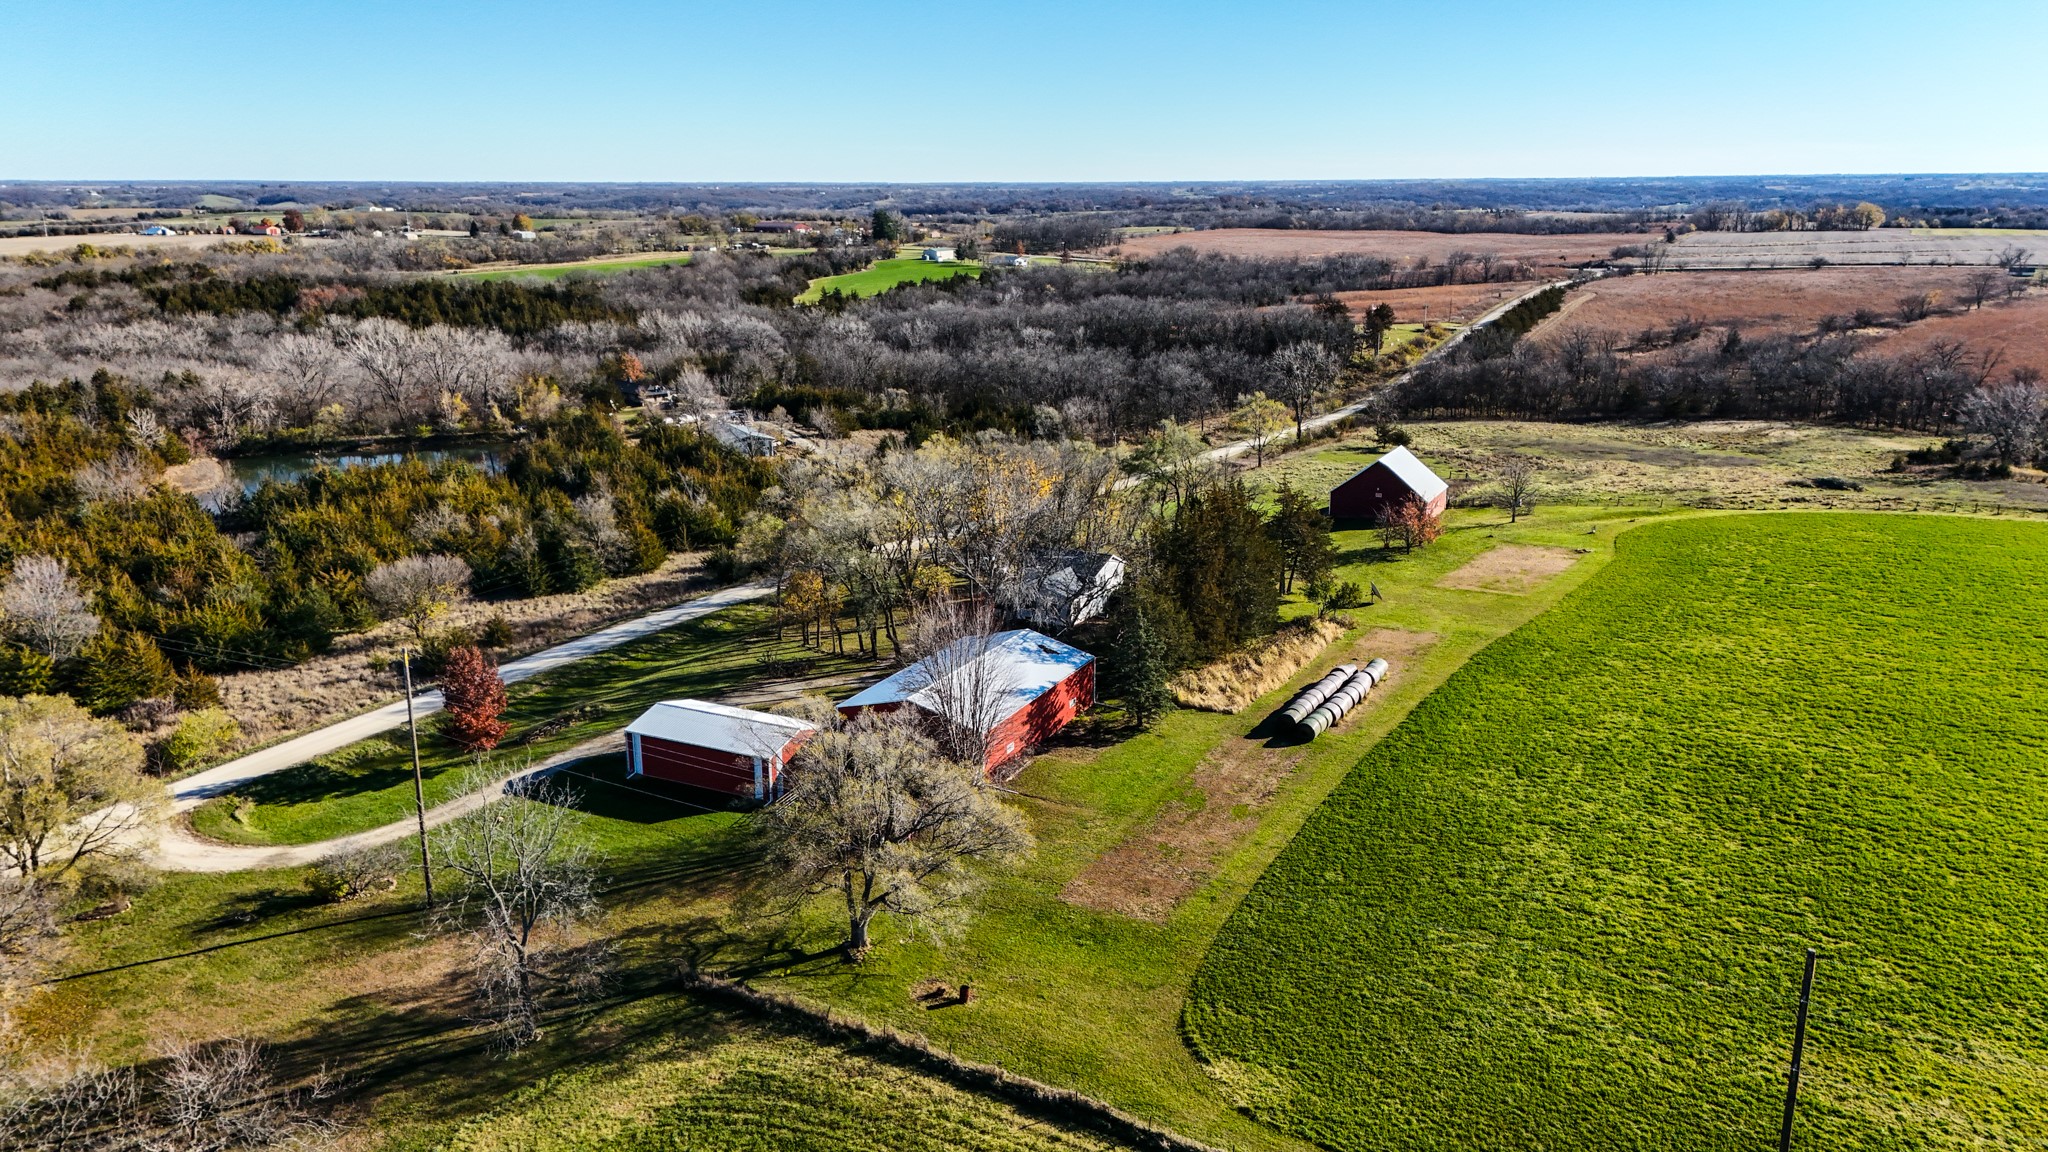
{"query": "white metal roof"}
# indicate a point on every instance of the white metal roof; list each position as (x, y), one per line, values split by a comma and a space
(1021, 664)
(740, 731)
(1414, 473)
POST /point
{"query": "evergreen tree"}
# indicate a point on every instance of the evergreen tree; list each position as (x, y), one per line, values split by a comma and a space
(1222, 569)
(119, 668)
(1138, 662)
(1302, 533)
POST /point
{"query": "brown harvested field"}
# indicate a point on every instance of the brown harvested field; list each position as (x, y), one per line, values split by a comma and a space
(2016, 331)
(1876, 246)
(1150, 873)
(23, 245)
(1511, 569)
(1543, 252)
(1782, 300)
(1451, 303)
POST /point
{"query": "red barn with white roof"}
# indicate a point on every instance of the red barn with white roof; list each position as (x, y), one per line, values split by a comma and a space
(1383, 485)
(714, 746)
(1026, 687)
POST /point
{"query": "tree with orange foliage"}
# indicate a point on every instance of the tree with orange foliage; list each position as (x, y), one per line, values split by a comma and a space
(473, 694)
(1410, 525)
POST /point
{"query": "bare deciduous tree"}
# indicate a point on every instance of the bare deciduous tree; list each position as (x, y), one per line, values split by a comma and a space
(962, 679)
(1515, 475)
(877, 816)
(1983, 284)
(1303, 371)
(2010, 416)
(524, 881)
(71, 786)
(45, 610)
(416, 589)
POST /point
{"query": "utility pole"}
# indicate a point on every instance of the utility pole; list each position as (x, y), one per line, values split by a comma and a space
(1798, 1051)
(419, 791)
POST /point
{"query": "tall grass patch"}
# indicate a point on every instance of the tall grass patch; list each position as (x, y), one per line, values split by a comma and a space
(1563, 905)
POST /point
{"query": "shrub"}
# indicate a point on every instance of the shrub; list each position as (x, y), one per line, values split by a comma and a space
(345, 875)
(1392, 436)
(196, 690)
(725, 565)
(496, 633)
(199, 737)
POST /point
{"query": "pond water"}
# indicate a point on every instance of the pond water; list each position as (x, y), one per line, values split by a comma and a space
(249, 472)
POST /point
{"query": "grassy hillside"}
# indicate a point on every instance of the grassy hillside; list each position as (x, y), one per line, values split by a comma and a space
(1563, 904)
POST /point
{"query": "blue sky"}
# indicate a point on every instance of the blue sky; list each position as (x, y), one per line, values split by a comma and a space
(916, 91)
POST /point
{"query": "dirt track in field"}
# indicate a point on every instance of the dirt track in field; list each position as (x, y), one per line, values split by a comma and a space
(1148, 875)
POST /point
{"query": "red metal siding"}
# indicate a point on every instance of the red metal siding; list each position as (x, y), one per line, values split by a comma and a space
(1034, 723)
(709, 768)
(1368, 495)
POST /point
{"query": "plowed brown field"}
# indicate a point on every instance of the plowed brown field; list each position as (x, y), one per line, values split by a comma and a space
(1454, 303)
(1756, 302)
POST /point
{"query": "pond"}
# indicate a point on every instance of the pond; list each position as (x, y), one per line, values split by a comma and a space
(248, 473)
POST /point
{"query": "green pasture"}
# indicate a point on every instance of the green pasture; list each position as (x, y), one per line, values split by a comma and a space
(1564, 904)
(369, 783)
(590, 268)
(883, 275)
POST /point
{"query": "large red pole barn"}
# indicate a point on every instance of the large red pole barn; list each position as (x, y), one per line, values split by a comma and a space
(1027, 687)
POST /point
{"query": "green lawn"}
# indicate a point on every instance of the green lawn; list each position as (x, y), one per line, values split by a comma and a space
(591, 268)
(883, 275)
(1563, 905)
(370, 783)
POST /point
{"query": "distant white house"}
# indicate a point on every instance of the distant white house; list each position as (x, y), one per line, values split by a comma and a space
(524, 234)
(157, 230)
(1062, 589)
(941, 255)
(1009, 260)
(743, 438)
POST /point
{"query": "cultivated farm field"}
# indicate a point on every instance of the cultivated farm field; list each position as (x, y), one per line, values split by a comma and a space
(1448, 303)
(1546, 253)
(1564, 904)
(1760, 302)
(2014, 334)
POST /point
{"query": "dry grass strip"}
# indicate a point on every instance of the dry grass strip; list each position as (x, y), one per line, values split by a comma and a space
(1242, 677)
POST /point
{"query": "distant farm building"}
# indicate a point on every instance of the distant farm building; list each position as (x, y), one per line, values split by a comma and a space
(1062, 589)
(941, 255)
(743, 438)
(1015, 688)
(737, 751)
(1385, 485)
(1009, 260)
(157, 230)
(782, 226)
(525, 234)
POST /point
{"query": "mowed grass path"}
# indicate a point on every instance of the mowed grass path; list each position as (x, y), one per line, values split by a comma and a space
(1563, 904)
(884, 275)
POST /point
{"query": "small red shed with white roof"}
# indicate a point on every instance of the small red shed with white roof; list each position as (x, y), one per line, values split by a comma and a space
(717, 747)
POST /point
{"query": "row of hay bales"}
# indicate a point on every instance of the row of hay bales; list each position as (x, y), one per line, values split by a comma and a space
(1318, 707)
